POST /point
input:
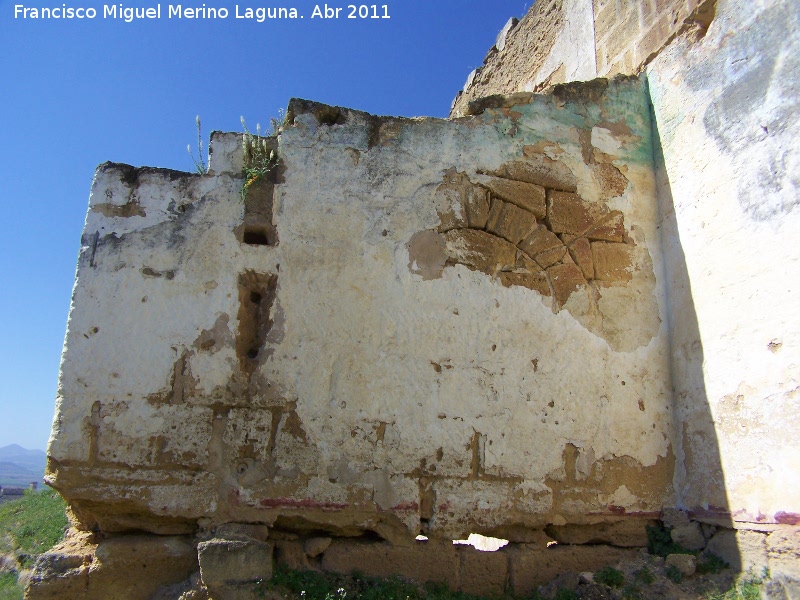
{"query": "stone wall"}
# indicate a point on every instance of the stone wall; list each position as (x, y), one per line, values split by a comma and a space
(570, 40)
(552, 43)
(553, 320)
(420, 326)
(629, 33)
(726, 108)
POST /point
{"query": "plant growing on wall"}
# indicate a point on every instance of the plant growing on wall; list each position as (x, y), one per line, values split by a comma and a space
(259, 159)
(199, 163)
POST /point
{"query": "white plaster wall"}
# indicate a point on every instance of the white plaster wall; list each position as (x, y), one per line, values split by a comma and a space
(375, 383)
(726, 110)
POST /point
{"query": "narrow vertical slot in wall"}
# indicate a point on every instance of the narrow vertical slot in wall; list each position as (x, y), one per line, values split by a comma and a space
(256, 296)
(257, 228)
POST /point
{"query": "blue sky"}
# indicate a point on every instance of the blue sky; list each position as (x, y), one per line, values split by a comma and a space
(75, 93)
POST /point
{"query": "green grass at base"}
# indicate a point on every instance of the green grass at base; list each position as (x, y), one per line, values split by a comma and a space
(9, 590)
(33, 524)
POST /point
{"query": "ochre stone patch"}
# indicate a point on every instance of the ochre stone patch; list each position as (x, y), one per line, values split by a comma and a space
(480, 250)
(525, 195)
(527, 226)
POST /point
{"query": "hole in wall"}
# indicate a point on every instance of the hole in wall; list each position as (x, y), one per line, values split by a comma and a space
(256, 236)
(329, 115)
(482, 542)
(256, 295)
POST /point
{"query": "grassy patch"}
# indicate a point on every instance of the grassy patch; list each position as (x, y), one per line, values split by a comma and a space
(674, 574)
(565, 594)
(9, 590)
(33, 524)
(309, 585)
(747, 588)
(609, 576)
(710, 563)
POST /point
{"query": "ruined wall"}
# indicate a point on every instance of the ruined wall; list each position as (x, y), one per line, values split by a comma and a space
(577, 40)
(442, 328)
(551, 320)
(629, 33)
(726, 110)
(552, 43)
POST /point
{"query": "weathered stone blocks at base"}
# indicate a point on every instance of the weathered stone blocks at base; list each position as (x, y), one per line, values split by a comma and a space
(530, 568)
(228, 563)
(125, 568)
(423, 561)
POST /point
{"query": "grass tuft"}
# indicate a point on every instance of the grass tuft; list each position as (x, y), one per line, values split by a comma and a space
(659, 542)
(9, 589)
(609, 576)
(33, 524)
(310, 585)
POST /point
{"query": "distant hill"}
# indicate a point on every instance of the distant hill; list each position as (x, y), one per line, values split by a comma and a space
(19, 466)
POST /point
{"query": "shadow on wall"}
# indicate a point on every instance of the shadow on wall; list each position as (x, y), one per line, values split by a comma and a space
(699, 479)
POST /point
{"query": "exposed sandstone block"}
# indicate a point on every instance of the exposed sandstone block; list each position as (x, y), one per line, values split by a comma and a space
(242, 531)
(550, 257)
(509, 221)
(783, 551)
(610, 229)
(565, 279)
(581, 252)
(533, 280)
(627, 533)
(541, 239)
(542, 171)
(531, 567)
(482, 573)
(528, 196)
(292, 555)
(480, 250)
(569, 213)
(423, 561)
(612, 262)
(460, 203)
(689, 536)
(315, 546)
(673, 517)
(743, 550)
(128, 568)
(229, 562)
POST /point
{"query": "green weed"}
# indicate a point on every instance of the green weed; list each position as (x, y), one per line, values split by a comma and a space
(710, 563)
(747, 588)
(609, 576)
(674, 574)
(309, 585)
(259, 159)
(659, 542)
(565, 594)
(644, 575)
(631, 592)
(199, 163)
